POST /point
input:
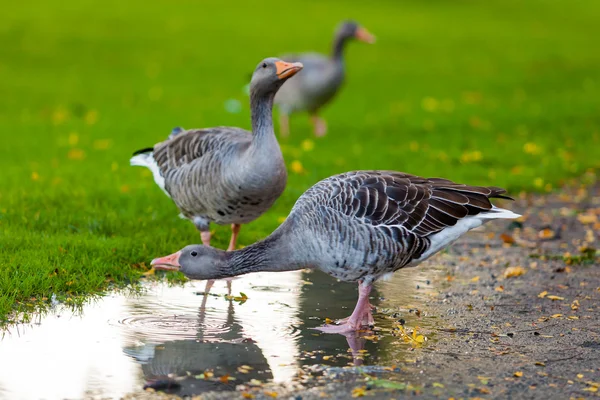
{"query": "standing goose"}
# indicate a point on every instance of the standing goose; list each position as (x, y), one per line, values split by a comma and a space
(358, 226)
(320, 80)
(225, 175)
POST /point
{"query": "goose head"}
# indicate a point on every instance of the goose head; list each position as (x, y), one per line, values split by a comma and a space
(194, 261)
(270, 74)
(352, 30)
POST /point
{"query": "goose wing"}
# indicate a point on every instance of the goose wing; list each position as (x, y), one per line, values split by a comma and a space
(423, 206)
(197, 145)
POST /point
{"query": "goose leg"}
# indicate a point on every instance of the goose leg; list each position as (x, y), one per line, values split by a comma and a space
(235, 229)
(319, 124)
(360, 315)
(284, 125)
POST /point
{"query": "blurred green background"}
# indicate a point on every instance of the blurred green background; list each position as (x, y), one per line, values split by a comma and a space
(498, 92)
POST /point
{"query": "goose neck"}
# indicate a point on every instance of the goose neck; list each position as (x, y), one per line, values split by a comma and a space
(261, 109)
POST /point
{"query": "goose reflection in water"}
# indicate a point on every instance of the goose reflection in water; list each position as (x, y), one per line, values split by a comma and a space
(178, 362)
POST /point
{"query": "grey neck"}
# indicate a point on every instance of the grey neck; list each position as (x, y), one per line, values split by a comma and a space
(273, 254)
(261, 109)
(338, 48)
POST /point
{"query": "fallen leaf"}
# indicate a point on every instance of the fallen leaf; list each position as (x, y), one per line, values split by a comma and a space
(359, 391)
(556, 316)
(514, 271)
(507, 238)
(540, 364)
(499, 289)
(580, 376)
(546, 234)
(543, 294)
(296, 167)
(587, 218)
(518, 374)
(592, 389)
(247, 395)
(475, 279)
(552, 297)
(439, 385)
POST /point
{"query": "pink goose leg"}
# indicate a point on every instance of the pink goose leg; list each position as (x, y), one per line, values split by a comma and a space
(360, 316)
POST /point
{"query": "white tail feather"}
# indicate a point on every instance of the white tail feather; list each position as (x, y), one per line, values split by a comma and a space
(449, 235)
(147, 160)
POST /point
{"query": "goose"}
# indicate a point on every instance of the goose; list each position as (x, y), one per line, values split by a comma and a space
(358, 226)
(320, 80)
(225, 175)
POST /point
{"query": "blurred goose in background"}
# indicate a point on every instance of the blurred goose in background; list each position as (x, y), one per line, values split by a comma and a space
(358, 226)
(225, 175)
(320, 80)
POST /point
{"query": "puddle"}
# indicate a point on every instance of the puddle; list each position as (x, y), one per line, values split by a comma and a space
(119, 343)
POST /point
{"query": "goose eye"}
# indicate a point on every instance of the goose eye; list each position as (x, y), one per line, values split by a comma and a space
(194, 253)
(264, 65)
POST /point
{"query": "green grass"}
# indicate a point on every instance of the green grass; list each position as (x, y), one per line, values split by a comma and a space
(495, 92)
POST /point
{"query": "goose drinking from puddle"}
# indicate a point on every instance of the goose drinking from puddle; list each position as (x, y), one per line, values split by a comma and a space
(359, 226)
(225, 175)
(320, 80)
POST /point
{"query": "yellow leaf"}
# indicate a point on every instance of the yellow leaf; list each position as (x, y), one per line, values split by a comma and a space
(475, 279)
(518, 374)
(359, 391)
(556, 316)
(587, 218)
(102, 144)
(247, 395)
(514, 271)
(543, 294)
(437, 384)
(272, 394)
(580, 376)
(76, 154)
(573, 317)
(296, 167)
(546, 234)
(327, 358)
(552, 297)
(308, 145)
(592, 389)
(91, 117)
(540, 364)
(150, 272)
(499, 289)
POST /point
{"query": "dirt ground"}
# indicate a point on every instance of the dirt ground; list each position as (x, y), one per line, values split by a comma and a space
(520, 316)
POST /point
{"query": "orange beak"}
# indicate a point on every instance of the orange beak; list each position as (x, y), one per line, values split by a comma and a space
(364, 35)
(168, 263)
(285, 69)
